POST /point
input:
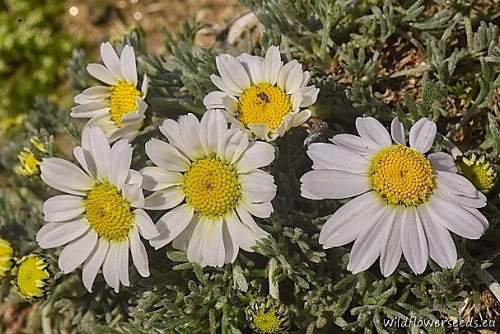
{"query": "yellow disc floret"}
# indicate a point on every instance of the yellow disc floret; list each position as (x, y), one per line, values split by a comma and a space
(263, 104)
(108, 212)
(28, 165)
(266, 322)
(123, 100)
(478, 170)
(211, 186)
(31, 276)
(6, 254)
(402, 176)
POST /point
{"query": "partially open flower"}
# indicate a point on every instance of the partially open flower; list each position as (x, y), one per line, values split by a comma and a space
(267, 316)
(31, 277)
(6, 256)
(29, 158)
(479, 170)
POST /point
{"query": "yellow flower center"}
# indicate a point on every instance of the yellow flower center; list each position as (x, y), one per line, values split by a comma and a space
(263, 104)
(211, 186)
(108, 212)
(31, 276)
(402, 176)
(123, 100)
(28, 163)
(6, 253)
(478, 171)
(267, 322)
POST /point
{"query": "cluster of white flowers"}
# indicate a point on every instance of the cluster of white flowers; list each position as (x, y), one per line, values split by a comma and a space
(208, 177)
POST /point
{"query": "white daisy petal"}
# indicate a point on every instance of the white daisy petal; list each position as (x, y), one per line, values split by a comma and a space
(64, 176)
(248, 221)
(257, 155)
(214, 100)
(110, 266)
(101, 73)
(156, 178)
(272, 65)
(294, 79)
(391, 249)
(123, 262)
(254, 66)
(171, 224)
(373, 132)
(456, 183)
(145, 225)
(441, 246)
(328, 156)
(94, 263)
(413, 241)
(309, 96)
(398, 131)
(223, 86)
(233, 145)
(448, 194)
(127, 64)
(166, 156)
(189, 127)
(62, 234)
(181, 242)
(479, 216)
(422, 135)
(230, 247)
(121, 158)
(284, 72)
(349, 220)
(333, 184)
(242, 236)
(195, 247)
(110, 59)
(95, 142)
(261, 210)
(213, 244)
(145, 85)
(171, 130)
(232, 72)
(90, 109)
(83, 159)
(352, 143)
(75, 253)
(164, 199)
(139, 254)
(443, 162)
(62, 207)
(212, 128)
(368, 245)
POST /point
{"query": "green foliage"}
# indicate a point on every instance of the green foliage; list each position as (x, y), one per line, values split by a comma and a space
(34, 52)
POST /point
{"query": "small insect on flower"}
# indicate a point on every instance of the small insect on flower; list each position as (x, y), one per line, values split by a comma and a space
(261, 95)
(100, 219)
(479, 170)
(407, 201)
(6, 257)
(118, 109)
(31, 277)
(208, 177)
(267, 316)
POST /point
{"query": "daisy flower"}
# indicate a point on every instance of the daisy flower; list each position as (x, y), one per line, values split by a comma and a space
(208, 178)
(99, 219)
(407, 200)
(261, 95)
(118, 108)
